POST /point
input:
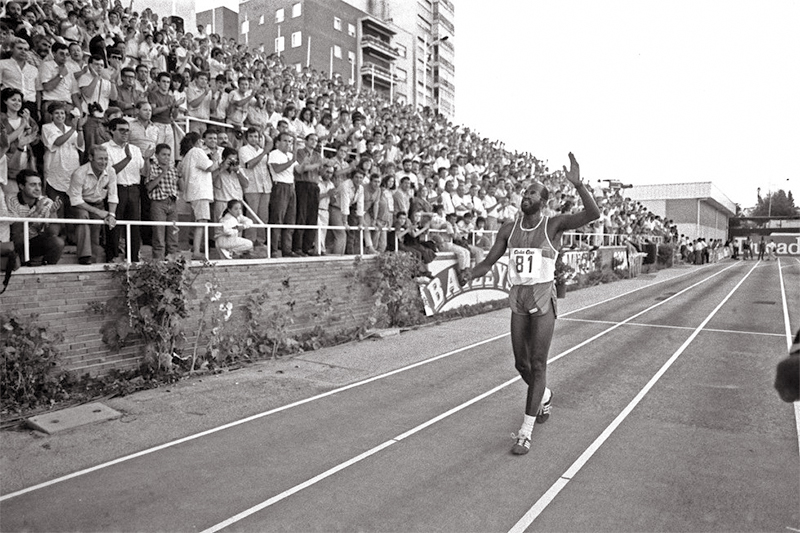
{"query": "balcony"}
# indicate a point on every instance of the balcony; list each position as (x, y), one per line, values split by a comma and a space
(438, 19)
(383, 76)
(379, 47)
(372, 25)
(447, 4)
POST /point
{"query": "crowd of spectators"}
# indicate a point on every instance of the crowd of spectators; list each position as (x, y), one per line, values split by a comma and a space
(95, 100)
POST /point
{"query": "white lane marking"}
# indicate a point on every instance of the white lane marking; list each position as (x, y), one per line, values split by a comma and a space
(263, 505)
(789, 338)
(338, 468)
(665, 326)
(301, 402)
(542, 503)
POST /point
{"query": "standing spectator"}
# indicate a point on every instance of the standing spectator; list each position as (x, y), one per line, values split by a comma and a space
(162, 189)
(93, 194)
(352, 204)
(127, 93)
(239, 102)
(144, 133)
(283, 203)
(56, 82)
(17, 73)
(163, 109)
(307, 189)
(254, 159)
(199, 104)
(95, 89)
(326, 187)
(128, 164)
(372, 199)
(30, 203)
(198, 188)
(61, 158)
(230, 182)
(402, 196)
(20, 132)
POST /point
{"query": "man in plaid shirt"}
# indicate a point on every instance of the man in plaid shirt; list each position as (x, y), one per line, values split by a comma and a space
(162, 189)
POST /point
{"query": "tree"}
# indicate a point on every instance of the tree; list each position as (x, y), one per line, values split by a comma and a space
(776, 204)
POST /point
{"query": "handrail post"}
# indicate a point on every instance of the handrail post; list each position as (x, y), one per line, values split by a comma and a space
(26, 236)
(127, 243)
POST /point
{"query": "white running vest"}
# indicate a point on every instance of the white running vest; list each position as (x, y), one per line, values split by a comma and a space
(531, 255)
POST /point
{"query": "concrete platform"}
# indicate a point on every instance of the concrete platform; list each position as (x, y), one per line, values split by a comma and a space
(72, 417)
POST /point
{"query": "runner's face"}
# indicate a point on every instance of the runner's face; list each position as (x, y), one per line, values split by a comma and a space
(531, 199)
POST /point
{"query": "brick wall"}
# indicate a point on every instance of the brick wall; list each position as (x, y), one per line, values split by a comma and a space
(61, 296)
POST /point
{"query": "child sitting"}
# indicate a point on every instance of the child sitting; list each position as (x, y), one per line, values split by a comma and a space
(228, 238)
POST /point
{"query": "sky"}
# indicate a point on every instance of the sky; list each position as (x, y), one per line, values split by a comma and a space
(645, 92)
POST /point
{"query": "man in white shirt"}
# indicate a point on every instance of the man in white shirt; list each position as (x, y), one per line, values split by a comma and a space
(283, 201)
(56, 82)
(407, 173)
(128, 164)
(16, 72)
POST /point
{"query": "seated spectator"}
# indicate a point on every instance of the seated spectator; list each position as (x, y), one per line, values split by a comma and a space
(228, 239)
(93, 194)
(44, 244)
(408, 233)
(162, 189)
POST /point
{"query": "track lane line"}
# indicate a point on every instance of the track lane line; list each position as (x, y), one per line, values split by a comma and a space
(311, 481)
(789, 338)
(665, 326)
(257, 416)
(542, 503)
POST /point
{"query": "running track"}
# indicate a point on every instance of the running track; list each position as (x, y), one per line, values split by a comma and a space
(664, 419)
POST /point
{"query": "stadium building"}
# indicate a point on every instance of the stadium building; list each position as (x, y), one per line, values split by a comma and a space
(402, 49)
(698, 209)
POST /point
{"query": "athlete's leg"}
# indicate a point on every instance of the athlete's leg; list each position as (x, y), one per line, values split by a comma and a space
(541, 335)
(520, 338)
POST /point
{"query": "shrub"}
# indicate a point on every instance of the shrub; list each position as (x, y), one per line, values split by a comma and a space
(29, 376)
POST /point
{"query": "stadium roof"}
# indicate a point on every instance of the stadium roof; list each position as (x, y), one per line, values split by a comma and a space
(701, 190)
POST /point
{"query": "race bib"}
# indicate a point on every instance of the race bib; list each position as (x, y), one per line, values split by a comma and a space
(526, 262)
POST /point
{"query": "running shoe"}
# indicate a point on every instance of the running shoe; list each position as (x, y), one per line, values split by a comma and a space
(544, 410)
(522, 444)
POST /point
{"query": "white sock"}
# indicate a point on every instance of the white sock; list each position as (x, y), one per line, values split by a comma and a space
(527, 426)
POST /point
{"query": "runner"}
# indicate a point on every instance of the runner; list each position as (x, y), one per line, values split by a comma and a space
(531, 266)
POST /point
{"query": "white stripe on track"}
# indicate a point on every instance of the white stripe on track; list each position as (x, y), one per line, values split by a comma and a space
(665, 326)
(338, 468)
(306, 400)
(297, 488)
(789, 338)
(542, 503)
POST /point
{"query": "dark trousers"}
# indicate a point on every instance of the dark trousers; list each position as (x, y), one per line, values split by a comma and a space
(46, 245)
(353, 244)
(282, 210)
(129, 208)
(307, 211)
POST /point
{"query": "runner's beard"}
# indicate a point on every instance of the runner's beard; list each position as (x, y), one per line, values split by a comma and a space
(531, 208)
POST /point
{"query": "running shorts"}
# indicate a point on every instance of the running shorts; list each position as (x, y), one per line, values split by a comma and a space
(533, 300)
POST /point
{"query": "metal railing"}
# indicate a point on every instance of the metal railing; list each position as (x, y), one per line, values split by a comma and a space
(567, 241)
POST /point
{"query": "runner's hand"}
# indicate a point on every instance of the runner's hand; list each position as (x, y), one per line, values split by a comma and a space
(573, 175)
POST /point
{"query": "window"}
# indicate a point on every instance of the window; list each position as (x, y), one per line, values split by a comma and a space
(351, 57)
(245, 26)
(401, 50)
(298, 67)
(297, 10)
(297, 39)
(351, 30)
(337, 24)
(337, 51)
(279, 15)
(400, 74)
(261, 20)
(279, 44)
